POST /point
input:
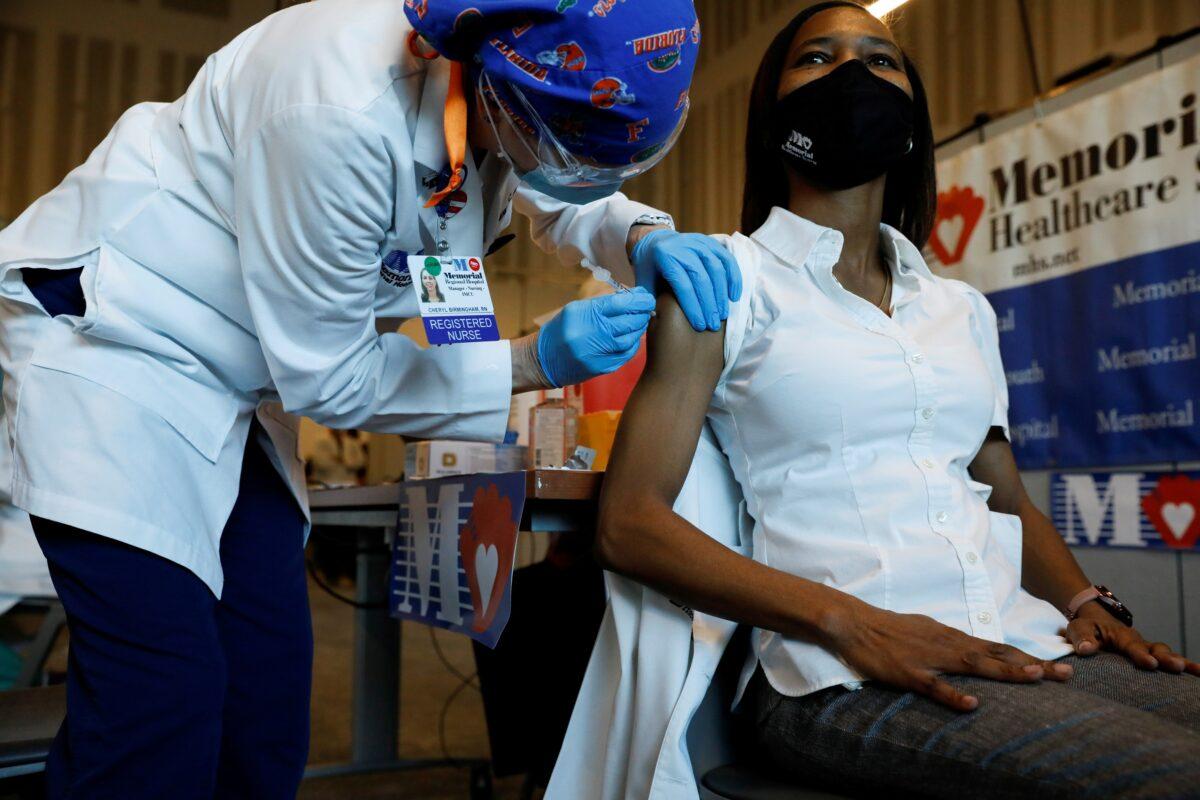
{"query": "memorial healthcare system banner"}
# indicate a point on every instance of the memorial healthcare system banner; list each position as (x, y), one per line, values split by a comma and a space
(1083, 230)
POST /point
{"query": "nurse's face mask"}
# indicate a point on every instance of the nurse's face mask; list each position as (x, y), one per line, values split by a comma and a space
(846, 128)
(541, 160)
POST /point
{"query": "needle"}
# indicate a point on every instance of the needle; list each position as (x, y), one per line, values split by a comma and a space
(605, 277)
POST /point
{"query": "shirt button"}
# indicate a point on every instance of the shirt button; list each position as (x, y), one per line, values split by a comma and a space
(919, 358)
(942, 516)
(927, 413)
(972, 558)
(928, 463)
(985, 618)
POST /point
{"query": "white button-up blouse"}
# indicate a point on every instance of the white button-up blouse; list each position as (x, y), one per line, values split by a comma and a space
(851, 433)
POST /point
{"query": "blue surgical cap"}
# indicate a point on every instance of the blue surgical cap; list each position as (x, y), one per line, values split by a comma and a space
(609, 77)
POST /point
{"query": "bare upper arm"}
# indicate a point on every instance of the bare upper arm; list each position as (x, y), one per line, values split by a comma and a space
(996, 466)
(663, 419)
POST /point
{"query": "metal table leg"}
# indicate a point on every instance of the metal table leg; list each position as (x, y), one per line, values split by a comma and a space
(375, 701)
(375, 736)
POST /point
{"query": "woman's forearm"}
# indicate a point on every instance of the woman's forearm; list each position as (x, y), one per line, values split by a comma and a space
(648, 542)
(1048, 569)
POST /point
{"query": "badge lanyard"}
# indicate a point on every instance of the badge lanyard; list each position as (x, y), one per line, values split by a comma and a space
(455, 124)
(453, 295)
(438, 232)
(443, 215)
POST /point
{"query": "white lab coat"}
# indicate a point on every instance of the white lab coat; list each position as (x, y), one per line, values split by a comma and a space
(234, 244)
(23, 569)
(651, 666)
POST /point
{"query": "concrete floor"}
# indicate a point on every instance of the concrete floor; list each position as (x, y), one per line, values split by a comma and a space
(425, 685)
(424, 785)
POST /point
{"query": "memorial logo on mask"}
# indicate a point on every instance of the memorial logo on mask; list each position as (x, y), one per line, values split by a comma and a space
(845, 128)
(800, 146)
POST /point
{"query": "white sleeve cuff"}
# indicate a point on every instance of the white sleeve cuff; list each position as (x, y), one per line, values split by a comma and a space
(485, 393)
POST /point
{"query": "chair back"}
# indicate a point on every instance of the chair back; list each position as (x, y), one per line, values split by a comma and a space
(712, 740)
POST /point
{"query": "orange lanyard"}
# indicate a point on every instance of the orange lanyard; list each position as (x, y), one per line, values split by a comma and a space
(454, 122)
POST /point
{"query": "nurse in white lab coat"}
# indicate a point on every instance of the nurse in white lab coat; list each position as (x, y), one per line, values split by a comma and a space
(219, 264)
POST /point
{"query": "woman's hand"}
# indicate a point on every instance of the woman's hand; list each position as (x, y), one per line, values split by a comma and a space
(911, 652)
(1094, 629)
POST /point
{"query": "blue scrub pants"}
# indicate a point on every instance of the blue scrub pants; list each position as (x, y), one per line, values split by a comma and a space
(172, 693)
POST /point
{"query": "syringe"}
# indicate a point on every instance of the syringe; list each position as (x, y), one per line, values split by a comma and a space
(605, 277)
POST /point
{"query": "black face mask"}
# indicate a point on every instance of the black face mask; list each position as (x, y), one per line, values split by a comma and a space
(846, 128)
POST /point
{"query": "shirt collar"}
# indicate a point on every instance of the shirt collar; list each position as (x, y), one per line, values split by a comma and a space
(799, 242)
(907, 255)
(795, 240)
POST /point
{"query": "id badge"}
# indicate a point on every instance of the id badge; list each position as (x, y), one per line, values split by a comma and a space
(453, 296)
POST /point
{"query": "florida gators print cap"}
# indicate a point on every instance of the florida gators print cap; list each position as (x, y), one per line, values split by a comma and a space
(609, 78)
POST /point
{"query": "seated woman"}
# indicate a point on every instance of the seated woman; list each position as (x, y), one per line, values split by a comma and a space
(901, 577)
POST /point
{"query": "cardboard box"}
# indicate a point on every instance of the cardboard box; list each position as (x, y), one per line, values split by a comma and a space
(443, 459)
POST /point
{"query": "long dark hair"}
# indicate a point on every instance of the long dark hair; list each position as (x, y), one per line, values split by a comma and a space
(910, 199)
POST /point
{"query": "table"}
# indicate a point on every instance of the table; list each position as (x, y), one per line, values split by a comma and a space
(556, 501)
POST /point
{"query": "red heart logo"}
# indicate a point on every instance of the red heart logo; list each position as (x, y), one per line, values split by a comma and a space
(1174, 508)
(487, 545)
(959, 211)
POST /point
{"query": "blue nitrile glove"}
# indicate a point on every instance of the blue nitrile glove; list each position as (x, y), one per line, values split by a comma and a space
(594, 337)
(703, 274)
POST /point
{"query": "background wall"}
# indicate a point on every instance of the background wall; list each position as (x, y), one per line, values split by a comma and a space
(971, 54)
(68, 68)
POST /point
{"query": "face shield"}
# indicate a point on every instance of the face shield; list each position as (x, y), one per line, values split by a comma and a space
(545, 154)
